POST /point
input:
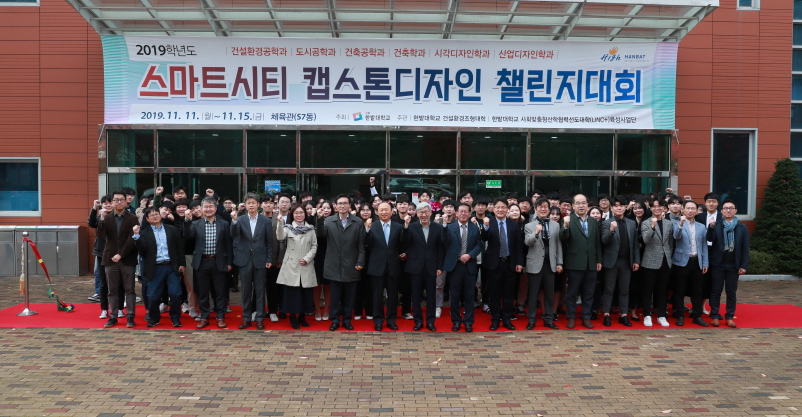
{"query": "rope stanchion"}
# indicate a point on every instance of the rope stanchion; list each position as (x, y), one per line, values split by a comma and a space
(62, 306)
(23, 278)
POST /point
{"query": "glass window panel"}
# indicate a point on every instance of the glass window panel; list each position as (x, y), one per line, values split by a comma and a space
(572, 151)
(491, 150)
(797, 9)
(797, 62)
(643, 152)
(141, 183)
(589, 186)
(331, 186)
(200, 148)
(746, 3)
(413, 184)
(343, 149)
(478, 185)
(796, 144)
(796, 87)
(130, 148)
(19, 186)
(731, 165)
(798, 34)
(270, 183)
(225, 185)
(271, 148)
(640, 185)
(796, 116)
(424, 150)
(799, 165)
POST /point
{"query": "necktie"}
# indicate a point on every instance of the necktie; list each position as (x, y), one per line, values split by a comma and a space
(502, 236)
(464, 240)
(585, 227)
(387, 233)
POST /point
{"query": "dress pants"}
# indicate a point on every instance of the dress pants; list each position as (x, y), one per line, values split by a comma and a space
(103, 292)
(655, 289)
(542, 280)
(363, 303)
(463, 286)
(253, 282)
(116, 274)
(343, 295)
(189, 282)
(164, 276)
(440, 286)
(273, 290)
(378, 283)
(404, 290)
(502, 281)
(419, 282)
(619, 274)
(689, 279)
(580, 282)
(207, 277)
(723, 279)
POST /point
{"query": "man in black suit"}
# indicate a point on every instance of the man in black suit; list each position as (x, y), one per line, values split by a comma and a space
(213, 257)
(620, 257)
(119, 256)
(163, 261)
(503, 259)
(463, 244)
(709, 218)
(729, 258)
(385, 240)
(425, 253)
(253, 255)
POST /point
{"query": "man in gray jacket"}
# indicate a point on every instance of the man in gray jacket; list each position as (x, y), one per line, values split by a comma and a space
(345, 258)
(544, 259)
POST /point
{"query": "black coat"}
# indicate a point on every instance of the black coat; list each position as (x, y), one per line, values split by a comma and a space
(515, 239)
(383, 255)
(147, 248)
(422, 254)
(224, 254)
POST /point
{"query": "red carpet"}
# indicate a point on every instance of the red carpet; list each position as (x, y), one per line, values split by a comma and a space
(85, 316)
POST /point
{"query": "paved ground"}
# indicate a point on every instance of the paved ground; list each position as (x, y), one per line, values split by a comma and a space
(692, 371)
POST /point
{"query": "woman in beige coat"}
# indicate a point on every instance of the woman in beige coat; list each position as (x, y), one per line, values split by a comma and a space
(297, 273)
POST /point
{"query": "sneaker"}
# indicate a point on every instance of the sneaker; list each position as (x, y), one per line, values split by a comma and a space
(193, 314)
(438, 312)
(647, 321)
(95, 298)
(408, 316)
(228, 309)
(663, 322)
(273, 317)
(706, 310)
(163, 308)
(357, 317)
(368, 317)
(253, 316)
(138, 299)
(520, 310)
(486, 309)
(120, 314)
(104, 314)
(185, 308)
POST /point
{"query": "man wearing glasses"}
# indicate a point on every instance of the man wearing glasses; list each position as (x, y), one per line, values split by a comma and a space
(658, 241)
(729, 258)
(119, 255)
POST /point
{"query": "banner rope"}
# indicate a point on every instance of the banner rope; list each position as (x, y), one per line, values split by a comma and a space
(62, 306)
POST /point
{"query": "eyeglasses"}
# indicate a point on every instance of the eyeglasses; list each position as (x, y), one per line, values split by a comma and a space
(728, 209)
(119, 200)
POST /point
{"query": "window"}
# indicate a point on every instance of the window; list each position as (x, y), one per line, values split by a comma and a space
(19, 2)
(796, 149)
(733, 168)
(797, 9)
(797, 61)
(643, 152)
(343, 149)
(200, 148)
(748, 5)
(491, 150)
(20, 187)
(425, 150)
(130, 148)
(572, 151)
(271, 149)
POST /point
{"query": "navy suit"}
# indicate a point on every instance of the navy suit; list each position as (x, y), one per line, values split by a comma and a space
(462, 276)
(424, 258)
(160, 275)
(252, 252)
(500, 267)
(384, 268)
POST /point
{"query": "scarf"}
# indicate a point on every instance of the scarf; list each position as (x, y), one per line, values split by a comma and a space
(545, 224)
(729, 235)
(300, 229)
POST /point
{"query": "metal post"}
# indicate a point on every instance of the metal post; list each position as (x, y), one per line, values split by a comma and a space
(27, 311)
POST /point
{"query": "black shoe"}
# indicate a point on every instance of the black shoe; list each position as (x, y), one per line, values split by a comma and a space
(302, 321)
(417, 327)
(392, 326)
(607, 320)
(130, 322)
(468, 328)
(530, 325)
(698, 321)
(508, 324)
(334, 326)
(455, 327)
(680, 321)
(348, 325)
(550, 325)
(176, 323)
(282, 315)
(147, 317)
(594, 315)
(153, 323)
(625, 321)
(634, 318)
(493, 325)
(434, 329)
(378, 327)
(111, 323)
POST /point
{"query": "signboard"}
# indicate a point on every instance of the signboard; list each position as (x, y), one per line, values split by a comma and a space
(492, 183)
(272, 186)
(389, 82)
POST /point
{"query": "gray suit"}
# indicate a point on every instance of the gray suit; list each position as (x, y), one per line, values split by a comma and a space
(618, 269)
(658, 247)
(344, 251)
(541, 268)
(252, 251)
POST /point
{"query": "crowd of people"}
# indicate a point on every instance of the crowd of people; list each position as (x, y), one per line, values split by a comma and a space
(352, 257)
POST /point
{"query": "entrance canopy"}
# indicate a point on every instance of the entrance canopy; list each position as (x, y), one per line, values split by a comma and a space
(544, 20)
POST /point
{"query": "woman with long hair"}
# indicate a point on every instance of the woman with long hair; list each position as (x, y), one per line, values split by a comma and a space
(297, 273)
